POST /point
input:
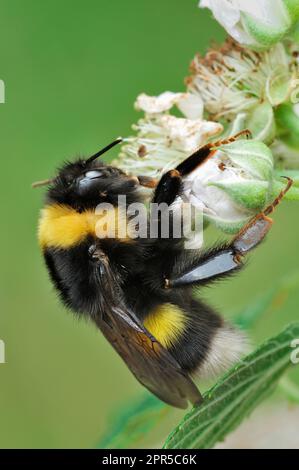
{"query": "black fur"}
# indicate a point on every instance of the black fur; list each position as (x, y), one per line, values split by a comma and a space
(133, 273)
(65, 187)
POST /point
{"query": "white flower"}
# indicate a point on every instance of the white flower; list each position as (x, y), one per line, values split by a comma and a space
(229, 188)
(191, 106)
(233, 80)
(163, 140)
(255, 23)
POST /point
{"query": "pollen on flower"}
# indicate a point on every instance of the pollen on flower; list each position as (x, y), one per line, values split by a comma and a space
(163, 140)
(230, 89)
(233, 79)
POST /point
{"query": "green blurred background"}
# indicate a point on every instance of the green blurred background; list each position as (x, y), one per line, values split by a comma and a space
(72, 70)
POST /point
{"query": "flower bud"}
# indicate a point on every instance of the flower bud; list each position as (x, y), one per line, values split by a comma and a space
(257, 24)
(233, 185)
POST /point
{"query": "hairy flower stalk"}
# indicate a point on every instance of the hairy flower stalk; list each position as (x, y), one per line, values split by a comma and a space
(257, 24)
(232, 88)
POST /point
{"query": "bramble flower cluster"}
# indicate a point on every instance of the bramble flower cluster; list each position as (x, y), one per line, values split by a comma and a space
(164, 140)
(250, 82)
(232, 80)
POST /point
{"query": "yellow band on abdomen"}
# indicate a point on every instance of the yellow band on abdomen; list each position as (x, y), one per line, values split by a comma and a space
(166, 323)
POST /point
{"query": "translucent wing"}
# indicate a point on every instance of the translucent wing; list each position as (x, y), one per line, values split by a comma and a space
(149, 361)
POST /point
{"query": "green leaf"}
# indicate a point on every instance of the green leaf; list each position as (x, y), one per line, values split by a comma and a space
(236, 395)
(290, 389)
(133, 422)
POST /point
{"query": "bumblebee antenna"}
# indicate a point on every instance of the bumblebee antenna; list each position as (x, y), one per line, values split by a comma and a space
(104, 150)
(38, 184)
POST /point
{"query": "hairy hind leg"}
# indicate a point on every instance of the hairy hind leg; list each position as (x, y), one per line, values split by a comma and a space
(225, 259)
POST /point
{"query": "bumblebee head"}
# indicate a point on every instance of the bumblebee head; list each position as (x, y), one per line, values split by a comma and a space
(85, 183)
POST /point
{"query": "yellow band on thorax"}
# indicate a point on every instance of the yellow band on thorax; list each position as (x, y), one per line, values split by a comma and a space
(62, 226)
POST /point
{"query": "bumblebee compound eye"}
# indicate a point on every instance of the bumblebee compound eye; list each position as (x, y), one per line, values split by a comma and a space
(88, 181)
(93, 174)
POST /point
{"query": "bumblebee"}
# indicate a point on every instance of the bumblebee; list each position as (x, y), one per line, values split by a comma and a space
(139, 292)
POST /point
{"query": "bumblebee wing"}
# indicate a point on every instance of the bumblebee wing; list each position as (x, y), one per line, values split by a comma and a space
(149, 361)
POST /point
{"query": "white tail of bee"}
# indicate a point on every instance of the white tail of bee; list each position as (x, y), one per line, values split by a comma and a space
(227, 347)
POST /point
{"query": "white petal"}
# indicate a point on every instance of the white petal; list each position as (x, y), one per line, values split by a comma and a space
(191, 106)
(224, 11)
(230, 14)
(189, 134)
(270, 12)
(157, 104)
(227, 13)
(216, 202)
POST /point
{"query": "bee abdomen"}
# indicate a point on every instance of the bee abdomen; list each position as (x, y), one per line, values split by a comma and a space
(197, 337)
(227, 346)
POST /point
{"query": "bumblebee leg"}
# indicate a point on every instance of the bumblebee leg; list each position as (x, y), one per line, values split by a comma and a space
(255, 231)
(171, 184)
(222, 261)
(147, 181)
(232, 139)
(204, 153)
(169, 187)
(196, 159)
(276, 201)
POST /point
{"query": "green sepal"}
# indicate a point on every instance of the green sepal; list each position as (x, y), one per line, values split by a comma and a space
(226, 226)
(261, 123)
(251, 194)
(252, 156)
(263, 36)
